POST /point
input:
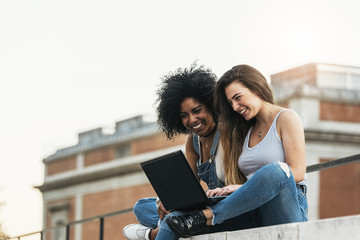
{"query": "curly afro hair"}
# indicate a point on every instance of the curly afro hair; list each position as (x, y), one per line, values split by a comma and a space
(194, 82)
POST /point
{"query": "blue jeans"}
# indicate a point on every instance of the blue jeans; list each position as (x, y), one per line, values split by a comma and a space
(270, 197)
(146, 213)
(244, 221)
(145, 209)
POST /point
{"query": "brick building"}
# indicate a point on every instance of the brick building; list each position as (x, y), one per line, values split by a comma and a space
(101, 174)
(327, 98)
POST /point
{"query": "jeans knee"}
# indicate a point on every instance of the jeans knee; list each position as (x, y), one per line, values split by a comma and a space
(137, 209)
(143, 206)
(285, 168)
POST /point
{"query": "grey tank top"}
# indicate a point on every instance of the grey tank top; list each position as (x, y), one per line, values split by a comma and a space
(269, 150)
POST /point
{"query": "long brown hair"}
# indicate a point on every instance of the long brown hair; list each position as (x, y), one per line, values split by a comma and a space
(233, 126)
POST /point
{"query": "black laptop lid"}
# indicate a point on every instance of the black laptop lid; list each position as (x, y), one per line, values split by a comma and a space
(174, 182)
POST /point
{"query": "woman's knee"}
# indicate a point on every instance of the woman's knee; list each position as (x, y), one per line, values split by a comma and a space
(285, 168)
(274, 172)
(279, 169)
(145, 208)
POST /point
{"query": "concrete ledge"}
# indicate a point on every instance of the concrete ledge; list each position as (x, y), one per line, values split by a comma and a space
(344, 228)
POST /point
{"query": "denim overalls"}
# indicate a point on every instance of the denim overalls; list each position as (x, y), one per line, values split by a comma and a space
(207, 170)
(145, 209)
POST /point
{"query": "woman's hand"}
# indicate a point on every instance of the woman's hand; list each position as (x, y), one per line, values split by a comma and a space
(161, 210)
(222, 191)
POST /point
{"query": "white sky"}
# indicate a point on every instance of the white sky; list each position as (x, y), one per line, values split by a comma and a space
(73, 65)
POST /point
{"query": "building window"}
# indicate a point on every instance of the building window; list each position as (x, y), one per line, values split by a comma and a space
(338, 80)
(59, 217)
(354, 81)
(122, 150)
(327, 79)
(60, 232)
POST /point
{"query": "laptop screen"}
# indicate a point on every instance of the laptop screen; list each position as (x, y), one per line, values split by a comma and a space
(174, 182)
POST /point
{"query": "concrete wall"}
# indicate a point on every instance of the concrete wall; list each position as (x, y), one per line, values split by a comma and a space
(344, 228)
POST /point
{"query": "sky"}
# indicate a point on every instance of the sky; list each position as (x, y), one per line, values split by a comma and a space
(73, 65)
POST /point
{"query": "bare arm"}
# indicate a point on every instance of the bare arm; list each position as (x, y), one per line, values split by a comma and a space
(161, 209)
(190, 153)
(291, 132)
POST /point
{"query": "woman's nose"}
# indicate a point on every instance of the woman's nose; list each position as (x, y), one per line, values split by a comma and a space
(192, 118)
(235, 106)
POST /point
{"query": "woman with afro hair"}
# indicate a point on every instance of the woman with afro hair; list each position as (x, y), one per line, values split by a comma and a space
(185, 106)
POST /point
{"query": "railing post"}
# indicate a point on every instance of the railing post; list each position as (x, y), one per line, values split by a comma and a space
(67, 231)
(101, 237)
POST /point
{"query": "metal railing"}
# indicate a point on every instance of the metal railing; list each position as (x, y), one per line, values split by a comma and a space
(333, 163)
(100, 218)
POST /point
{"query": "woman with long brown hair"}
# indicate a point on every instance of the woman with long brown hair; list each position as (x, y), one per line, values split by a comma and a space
(185, 106)
(264, 158)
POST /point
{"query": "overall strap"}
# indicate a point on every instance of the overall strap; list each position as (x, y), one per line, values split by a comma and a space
(215, 144)
(196, 143)
(213, 149)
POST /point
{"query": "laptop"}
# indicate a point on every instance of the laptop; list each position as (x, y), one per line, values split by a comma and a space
(176, 184)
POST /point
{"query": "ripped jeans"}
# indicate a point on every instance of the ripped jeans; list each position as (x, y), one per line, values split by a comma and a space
(271, 192)
(272, 189)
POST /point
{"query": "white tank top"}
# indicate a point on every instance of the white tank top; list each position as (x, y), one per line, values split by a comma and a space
(269, 150)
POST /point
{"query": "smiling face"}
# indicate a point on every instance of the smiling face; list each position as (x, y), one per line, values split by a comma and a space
(196, 117)
(242, 100)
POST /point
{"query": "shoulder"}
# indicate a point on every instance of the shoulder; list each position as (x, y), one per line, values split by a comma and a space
(287, 114)
(289, 120)
(191, 155)
(189, 144)
(189, 138)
